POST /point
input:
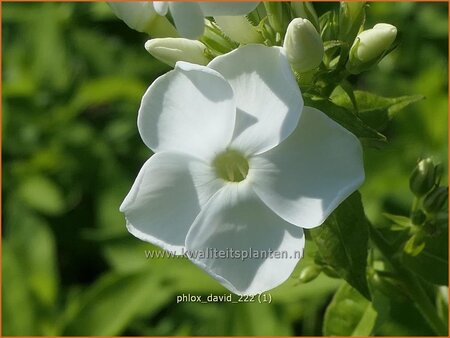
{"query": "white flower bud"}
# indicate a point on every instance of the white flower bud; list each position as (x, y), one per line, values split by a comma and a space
(239, 29)
(172, 50)
(370, 45)
(303, 45)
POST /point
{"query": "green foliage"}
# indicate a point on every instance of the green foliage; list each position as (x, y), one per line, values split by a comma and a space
(73, 76)
(432, 262)
(376, 111)
(342, 243)
(348, 120)
(108, 306)
(349, 314)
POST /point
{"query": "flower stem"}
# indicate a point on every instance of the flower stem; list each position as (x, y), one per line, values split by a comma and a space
(412, 284)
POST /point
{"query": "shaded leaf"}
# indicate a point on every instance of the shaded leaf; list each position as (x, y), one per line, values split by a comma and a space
(431, 263)
(348, 120)
(342, 242)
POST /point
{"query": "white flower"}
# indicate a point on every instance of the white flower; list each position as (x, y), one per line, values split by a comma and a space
(239, 165)
(188, 16)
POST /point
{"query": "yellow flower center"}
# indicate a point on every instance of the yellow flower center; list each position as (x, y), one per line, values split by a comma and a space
(231, 166)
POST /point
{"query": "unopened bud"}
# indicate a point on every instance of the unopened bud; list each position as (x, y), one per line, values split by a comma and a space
(172, 50)
(142, 17)
(415, 244)
(422, 178)
(303, 45)
(435, 200)
(370, 46)
(309, 273)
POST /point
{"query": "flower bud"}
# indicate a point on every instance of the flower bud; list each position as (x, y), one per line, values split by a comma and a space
(415, 244)
(309, 273)
(370, 46)
(172, 50)
(239, 29)
(422, 178)
(303, 45)
(435, 200)
(142, 17)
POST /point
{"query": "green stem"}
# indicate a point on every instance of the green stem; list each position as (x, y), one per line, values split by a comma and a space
(415, 204)
(413, 285)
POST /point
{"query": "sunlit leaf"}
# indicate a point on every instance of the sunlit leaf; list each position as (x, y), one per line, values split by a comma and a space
(42, 194)
(18, 308)
(109, 305)
(349, 314)
(376, 110)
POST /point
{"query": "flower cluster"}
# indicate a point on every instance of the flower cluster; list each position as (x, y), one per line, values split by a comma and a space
(240, 162)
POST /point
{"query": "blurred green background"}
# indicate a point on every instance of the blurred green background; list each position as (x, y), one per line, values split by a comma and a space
(73, 76)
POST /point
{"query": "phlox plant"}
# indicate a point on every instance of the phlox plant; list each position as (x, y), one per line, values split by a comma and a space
(258, 137)
(224, 168)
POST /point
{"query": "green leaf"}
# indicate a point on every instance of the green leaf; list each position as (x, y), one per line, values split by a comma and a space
(35, 246)
(348, 120)
(402, 221)
(113, 301)
(431, 263)
(376, 111)
(32, 246)
(106, 90)
(18, 307)
(349, 314)
(342, 242)
(42, 194)
(254, 319)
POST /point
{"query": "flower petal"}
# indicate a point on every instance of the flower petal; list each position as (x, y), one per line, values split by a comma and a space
(235, 223)
(188, 18)
(137, 15)
(190, 109)
(167, 195)
(306, 177)
(227, 8)
(161, 7)
(267, 96)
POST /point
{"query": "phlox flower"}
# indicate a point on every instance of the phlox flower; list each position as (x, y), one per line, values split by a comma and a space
(240, 163)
